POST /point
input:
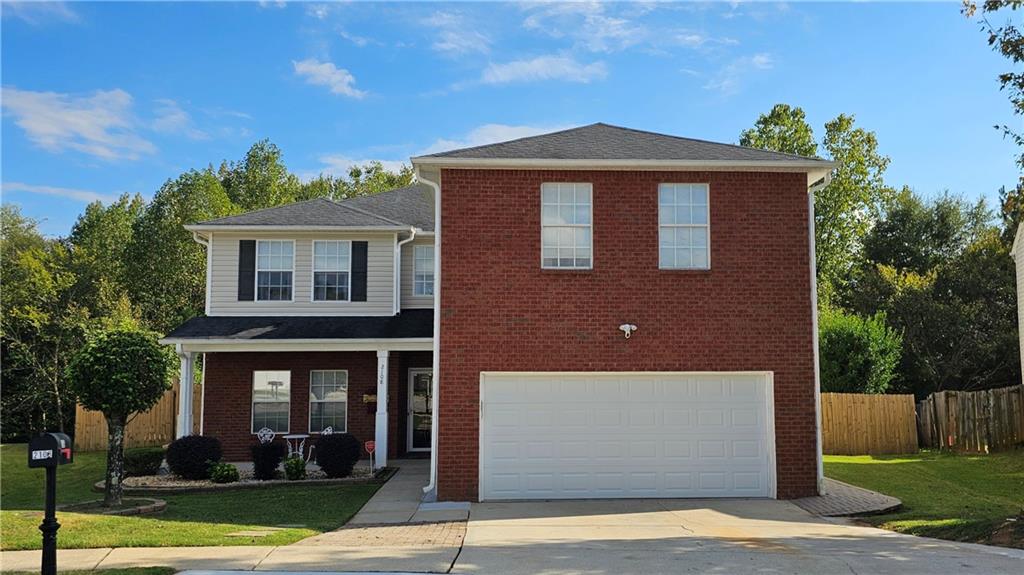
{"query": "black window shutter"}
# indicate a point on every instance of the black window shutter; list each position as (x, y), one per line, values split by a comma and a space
(246, 270)
(358, 271)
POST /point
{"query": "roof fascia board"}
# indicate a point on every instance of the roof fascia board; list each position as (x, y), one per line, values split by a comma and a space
(709, 165)
(279, 345)
(291, 228)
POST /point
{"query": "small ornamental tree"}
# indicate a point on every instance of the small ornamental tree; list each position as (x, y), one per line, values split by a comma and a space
(119, 373)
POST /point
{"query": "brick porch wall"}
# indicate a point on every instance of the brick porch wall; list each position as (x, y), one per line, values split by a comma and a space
(228, 394)
(501, 312)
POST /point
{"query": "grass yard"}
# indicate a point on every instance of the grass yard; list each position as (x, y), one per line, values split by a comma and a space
(955, 497)
(190, 519)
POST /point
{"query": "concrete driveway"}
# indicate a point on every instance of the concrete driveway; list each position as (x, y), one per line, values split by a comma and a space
(701, 536)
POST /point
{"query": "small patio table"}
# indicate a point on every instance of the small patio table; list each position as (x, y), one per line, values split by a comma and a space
(297, 444)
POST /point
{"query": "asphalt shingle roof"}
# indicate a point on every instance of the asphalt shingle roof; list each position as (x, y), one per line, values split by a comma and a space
(606, 142)
(413, 323)
(402, 207)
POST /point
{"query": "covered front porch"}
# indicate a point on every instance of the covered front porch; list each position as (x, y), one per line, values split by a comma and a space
(275, 374)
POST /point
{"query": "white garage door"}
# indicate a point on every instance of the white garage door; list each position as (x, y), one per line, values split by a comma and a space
(578, 435)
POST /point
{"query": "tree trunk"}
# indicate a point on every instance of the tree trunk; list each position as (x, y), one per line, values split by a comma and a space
(115, 461)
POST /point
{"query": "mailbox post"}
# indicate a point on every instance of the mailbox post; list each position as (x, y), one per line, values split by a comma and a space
(48, 451)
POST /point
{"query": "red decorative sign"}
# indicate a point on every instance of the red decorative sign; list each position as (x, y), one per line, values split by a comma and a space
(370, 446)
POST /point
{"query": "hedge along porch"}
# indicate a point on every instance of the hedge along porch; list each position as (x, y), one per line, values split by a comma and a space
(259, 372)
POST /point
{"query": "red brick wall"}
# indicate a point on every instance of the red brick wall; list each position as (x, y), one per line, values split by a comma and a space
(228, 393)
(501, 312)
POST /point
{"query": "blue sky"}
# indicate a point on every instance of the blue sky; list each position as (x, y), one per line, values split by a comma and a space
(104, 98)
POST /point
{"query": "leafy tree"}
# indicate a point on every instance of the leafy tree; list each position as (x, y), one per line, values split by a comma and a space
(370, 178)
(1011, 211)
(917, 236)
(166, 267)
(783, 129)
(120, 373)
(261, 180)
(858, 355)
(40, 326)
(98, 244)
(846, 209)
(1008, 40)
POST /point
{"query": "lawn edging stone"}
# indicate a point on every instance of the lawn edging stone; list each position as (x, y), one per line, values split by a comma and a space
(381, 477)
(151, 505)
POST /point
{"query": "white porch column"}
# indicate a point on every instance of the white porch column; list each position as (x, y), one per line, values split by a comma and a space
(381, 438)
(184, 424)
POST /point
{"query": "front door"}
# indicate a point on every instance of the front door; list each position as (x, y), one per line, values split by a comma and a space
(421, 404)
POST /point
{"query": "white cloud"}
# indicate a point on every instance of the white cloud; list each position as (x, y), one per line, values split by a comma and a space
(69, 193)
(101, 125)
(540, 68)
(40, 12)
(729, 79)
(172, 119)
(318, 73)
(489, 134)
(588, 23)
(456, 36)
(360, 41)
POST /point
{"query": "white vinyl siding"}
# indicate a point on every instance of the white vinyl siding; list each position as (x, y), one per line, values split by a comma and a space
(380, 274)
(271, 400)
(275, 270)
(328, 400)
(683, 231)
(566, 226)
(423, 270)
(409, 298)
(332, 270)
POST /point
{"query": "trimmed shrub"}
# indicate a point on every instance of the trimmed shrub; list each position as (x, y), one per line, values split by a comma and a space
(858, 355)
(295, 468)
(266, 458)
(143, 461)
(223, 473)
(190, 457)
(337, 454)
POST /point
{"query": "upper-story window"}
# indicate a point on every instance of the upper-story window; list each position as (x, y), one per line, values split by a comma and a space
(566, 235)
(683, 226)
(274, 269)
(332, 270)
(423, 270)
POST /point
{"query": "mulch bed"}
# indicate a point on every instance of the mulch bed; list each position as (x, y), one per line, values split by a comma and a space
(174, 484)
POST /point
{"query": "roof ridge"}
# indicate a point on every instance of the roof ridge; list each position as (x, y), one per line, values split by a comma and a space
(503, 142)
(639, 131)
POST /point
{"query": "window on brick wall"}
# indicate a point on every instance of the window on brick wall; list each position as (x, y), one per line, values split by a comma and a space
(683, 231)
(271, 400)
(566, 228)
(328, 400)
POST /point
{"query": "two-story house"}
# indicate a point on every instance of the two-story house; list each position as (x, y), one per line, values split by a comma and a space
(596, 312)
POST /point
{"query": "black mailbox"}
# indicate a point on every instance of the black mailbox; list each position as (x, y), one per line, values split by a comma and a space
(49, 450)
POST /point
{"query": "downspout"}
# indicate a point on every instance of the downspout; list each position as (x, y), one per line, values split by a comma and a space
(431, 488)
(398, 270)
(814, 327)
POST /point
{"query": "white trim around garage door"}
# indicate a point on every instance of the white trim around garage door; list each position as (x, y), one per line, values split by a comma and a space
(769, 420)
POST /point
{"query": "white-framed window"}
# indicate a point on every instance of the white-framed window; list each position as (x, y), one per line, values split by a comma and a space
(683, 232)
(423, 270)
(274, 269)
(328, 400)
(271, 400)
(332, 273)
(566, 226)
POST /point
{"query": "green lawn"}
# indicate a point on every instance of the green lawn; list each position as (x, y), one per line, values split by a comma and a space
(190, 519)
(956, 497)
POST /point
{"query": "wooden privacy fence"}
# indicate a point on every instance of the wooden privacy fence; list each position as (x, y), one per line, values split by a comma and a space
(867, 424)
(972, 421)
(155, 427)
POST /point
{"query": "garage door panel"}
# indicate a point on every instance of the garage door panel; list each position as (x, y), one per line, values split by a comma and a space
(634, 435)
